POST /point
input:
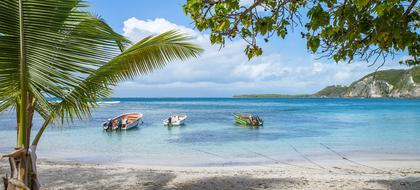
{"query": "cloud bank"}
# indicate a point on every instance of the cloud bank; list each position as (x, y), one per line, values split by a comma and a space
(227, 71)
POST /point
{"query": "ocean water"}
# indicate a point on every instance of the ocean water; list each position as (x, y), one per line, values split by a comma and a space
(378, 129)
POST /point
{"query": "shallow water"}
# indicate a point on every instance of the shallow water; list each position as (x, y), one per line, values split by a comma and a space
(360, 128)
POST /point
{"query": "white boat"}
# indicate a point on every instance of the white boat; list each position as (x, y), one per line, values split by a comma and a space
(123, 122)
(175, 120)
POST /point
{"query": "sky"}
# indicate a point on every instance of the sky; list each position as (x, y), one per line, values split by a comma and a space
(286, 67)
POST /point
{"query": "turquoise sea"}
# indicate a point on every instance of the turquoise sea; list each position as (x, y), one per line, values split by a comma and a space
(378, 129)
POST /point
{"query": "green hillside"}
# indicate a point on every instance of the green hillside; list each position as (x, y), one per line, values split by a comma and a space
(332, 91)
(392, 76)
(415, 72)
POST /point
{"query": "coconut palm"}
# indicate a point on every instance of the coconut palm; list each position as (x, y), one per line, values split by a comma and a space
(54, 49)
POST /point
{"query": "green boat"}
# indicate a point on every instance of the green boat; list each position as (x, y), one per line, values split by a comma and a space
(248, 120)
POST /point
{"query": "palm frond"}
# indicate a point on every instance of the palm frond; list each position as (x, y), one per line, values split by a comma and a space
(7, 103)
(9, 48)
(63, 45)
(67, 44)
(149, 54)
(71, 55)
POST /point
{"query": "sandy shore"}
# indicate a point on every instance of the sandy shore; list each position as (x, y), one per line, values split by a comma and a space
(326, 175)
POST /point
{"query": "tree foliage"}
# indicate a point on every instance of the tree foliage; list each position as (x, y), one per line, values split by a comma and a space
(341, 30)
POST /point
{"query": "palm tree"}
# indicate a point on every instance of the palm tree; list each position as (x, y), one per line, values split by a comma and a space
(55, 49)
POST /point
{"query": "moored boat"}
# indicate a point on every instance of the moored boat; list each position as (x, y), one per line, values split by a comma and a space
(175, 120)
(123, 122)
(248, 120)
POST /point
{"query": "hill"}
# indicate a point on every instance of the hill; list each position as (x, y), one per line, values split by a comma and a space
(393, 83)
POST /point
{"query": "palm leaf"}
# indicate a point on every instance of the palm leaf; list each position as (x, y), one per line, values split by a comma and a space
(9, 49)
(62, 46)
(70, 55)
(149, 54)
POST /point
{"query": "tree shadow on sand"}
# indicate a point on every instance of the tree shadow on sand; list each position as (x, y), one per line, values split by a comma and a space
(408, 183)
(239, 182)
(76, 176)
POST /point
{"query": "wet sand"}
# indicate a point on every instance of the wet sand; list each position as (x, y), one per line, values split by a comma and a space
(339, 174)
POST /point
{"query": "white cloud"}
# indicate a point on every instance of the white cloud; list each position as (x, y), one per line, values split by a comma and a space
(228, 71)
(136, 29)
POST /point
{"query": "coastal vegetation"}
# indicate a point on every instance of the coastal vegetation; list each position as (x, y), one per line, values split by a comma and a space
(340, 30)
(392, 76)
(397, 83)
(415, 72)
(54, 49)
(332, 91)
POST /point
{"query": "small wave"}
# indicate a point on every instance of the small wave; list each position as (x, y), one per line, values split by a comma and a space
(110, 102)
(105, 102)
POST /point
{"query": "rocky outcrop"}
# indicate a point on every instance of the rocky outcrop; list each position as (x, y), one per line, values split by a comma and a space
(382, 84)
(407, 88)
(369, 87)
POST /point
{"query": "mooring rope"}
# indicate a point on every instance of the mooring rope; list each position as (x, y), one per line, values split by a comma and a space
(277, 161)
(209, 153)
(224, 158)
(352, 161)
(305, 157)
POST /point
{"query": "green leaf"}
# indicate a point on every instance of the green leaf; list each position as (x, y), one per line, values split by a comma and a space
(313, 43)
(147, 55)
(361, 3)
(281, 32)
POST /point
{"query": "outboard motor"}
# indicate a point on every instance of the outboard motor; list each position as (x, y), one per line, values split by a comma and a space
(170, 121)
(254, 121)
(119, 123)
(260, 121)
(107, 125)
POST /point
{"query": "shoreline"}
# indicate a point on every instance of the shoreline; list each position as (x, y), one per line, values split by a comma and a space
(56, 174)
(212, 159)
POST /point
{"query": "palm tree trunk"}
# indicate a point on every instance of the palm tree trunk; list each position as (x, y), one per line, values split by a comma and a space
(20, 160)
(17, 160)
(23, 162)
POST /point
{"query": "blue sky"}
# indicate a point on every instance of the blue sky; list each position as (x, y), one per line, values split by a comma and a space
(286, 66)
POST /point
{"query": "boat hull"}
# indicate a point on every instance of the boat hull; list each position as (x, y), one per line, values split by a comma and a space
(133, 125)
(248, 120)
(124, 122)
(176, 120)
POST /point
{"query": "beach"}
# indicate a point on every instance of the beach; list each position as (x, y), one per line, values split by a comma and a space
(304, 144)
(167, 95)
(339, 174)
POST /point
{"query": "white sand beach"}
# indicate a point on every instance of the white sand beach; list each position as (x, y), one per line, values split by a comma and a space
(391, 174)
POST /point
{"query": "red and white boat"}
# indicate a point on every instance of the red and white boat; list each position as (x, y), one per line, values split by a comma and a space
(123, 122)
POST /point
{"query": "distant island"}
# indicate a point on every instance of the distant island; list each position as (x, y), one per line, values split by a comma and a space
(393, 83)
